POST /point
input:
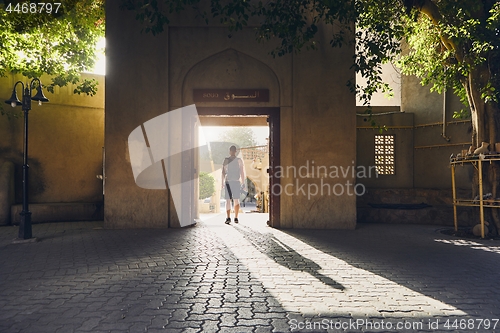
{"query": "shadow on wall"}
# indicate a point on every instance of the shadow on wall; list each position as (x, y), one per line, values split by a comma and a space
(36, 173)
(6, 190)
(11, 181)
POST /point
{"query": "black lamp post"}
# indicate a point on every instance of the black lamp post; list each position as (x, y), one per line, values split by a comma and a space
(25, 224)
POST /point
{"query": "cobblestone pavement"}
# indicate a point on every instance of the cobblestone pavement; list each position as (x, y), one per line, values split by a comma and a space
(247, 277)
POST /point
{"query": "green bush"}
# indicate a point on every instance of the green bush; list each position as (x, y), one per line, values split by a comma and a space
(207, 185)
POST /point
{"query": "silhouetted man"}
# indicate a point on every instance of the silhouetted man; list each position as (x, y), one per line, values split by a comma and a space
(232, 171)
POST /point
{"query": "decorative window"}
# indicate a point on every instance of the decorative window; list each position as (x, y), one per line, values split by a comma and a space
(384, 154)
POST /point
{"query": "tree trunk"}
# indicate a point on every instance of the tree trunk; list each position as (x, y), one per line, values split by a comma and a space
(485, 114)
(485, 124)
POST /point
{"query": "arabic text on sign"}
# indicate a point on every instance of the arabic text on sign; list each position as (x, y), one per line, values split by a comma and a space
(210, 95)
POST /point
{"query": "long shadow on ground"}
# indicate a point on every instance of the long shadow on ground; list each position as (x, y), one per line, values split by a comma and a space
(459, 273)
(284, 255)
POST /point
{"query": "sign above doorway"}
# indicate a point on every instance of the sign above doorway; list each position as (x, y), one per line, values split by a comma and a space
(231, 95)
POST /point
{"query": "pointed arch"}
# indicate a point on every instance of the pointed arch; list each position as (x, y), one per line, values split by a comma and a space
(231, 68)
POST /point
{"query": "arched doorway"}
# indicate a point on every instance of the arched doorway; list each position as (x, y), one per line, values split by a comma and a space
(272, 118)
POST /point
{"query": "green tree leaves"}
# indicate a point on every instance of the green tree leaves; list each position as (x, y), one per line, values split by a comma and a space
(472, 29)
(61, 44)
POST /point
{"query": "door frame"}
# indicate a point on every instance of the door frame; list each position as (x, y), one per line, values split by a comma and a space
(273, 118)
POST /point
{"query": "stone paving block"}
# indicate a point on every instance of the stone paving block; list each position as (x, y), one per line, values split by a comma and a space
(210, 326)
(244, 293)
(89, 324)
(204, 317)
(237, 304)
(253, 322)
(270, 315)
(280, 325)
(244, 313)
(259, 305)
(203, 289)
(184, 324)
(214, 303)
(222, 310)
(228, 319)
(198, 308)
(159, 322)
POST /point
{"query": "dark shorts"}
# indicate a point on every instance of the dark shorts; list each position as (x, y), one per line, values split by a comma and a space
(232, 189)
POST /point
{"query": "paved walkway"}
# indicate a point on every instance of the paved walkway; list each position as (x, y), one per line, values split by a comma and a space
(247, 277)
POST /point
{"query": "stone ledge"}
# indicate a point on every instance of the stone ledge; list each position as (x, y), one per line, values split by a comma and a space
(60, 212)
(436, 206)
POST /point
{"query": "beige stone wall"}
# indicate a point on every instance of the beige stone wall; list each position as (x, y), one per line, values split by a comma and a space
(316, 108)
(323, 130)
(66, 136)
(431, 150)
(137, 90)
(422, 151)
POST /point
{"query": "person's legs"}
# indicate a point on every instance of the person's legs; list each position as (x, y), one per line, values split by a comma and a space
(232, 192)
(228, 208)
(236, 209)
(235, 192)
(228, 197)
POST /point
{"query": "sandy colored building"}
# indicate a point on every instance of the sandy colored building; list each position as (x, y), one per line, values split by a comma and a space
(66, 140)
(163, 73)
(323, 152)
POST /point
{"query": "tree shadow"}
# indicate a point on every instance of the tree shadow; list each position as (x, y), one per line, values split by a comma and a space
(285, 256)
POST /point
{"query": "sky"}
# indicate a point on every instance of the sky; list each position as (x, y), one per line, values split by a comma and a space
(212, 133)
(100, 66)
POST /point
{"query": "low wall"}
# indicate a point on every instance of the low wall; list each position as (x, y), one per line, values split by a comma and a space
(60, 212)
(424, 206)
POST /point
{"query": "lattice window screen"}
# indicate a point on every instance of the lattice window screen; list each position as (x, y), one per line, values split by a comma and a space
(385, 154)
